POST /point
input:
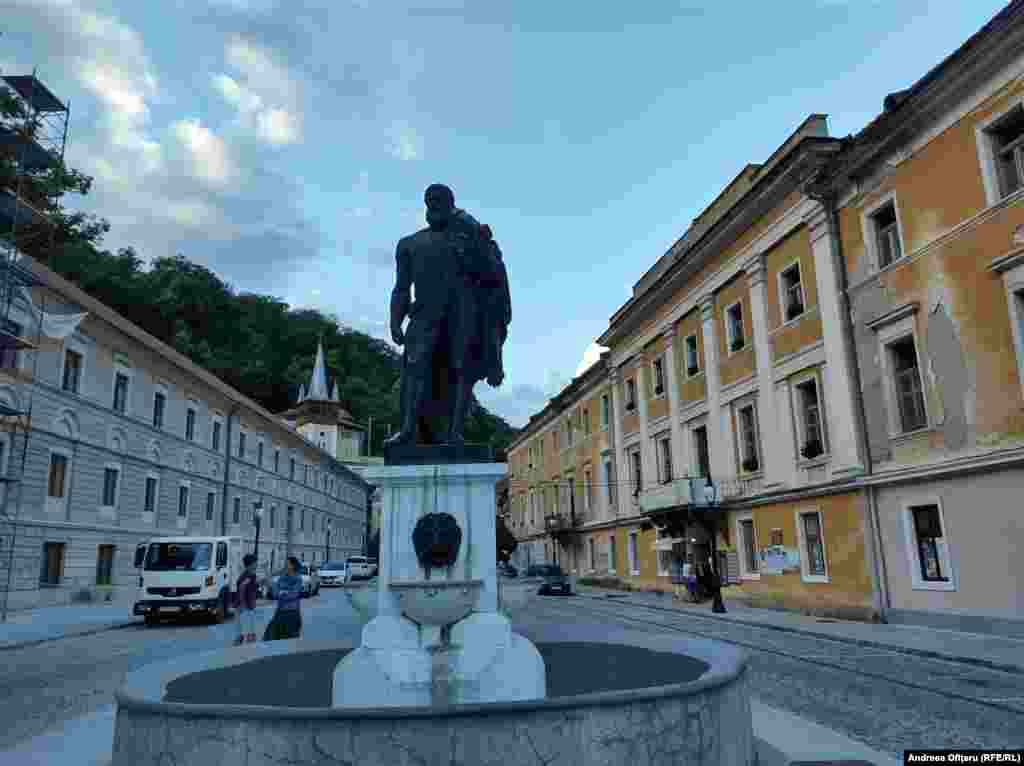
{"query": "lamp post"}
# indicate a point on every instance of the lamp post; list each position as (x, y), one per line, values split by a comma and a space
(258, 510)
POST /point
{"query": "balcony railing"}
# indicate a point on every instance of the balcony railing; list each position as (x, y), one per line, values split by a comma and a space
(697, 493)
(664, 496)
(556, 522)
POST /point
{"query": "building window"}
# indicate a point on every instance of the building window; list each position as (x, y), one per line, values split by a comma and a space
(1006, 138)
(592, 550)
(701, 451)
(236, 511)
(216, 436)
(302, 519)
(886, 234)
(53, 564)
(606, 411)
(659, 376)
(277, 461)
(636, 463)
(159, 404)
(734, 327)
(241, 444)
(932, 557)
(813, 558)
(630, 395)
(150, 500)
(120, 392)
(58, 474)
(664, 459)
(273, 516)
(259, 454)
(812, 436)
(692, 357)
(749, 455)
(190, 424)
(105, 565)
(569, 435)
(183, 502)
(609, 483)
(634, 559)
(791, 292)
(588, 488)
(907, 385)
(8, 347)
(291, 470)
(586, 421)
(210, 500)
(72, 371)
(748, 548)
(611, 554)
(110, 477)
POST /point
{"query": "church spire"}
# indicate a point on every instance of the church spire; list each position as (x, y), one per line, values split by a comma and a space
(318, 382)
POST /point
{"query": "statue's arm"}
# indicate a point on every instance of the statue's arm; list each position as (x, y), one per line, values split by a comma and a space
(401, 295)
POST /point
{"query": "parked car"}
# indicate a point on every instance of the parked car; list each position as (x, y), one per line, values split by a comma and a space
(553, 579)
(361, 568)
(179, 576)
(333, 573)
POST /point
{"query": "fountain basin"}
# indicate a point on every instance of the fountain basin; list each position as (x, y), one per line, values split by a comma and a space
(436, 602)
(650, 699)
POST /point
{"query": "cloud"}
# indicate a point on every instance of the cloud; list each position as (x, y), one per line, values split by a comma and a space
(516, 403)
(268, 100)
(590, 357)
(206, 150)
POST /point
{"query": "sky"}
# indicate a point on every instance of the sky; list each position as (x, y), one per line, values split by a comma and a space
(286, 145)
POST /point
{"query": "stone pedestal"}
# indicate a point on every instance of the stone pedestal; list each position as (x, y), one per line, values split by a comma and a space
(427, 661)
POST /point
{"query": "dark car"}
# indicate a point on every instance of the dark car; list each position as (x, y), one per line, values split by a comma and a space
(554, 580)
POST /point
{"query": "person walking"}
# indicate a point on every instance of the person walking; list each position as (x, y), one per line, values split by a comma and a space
(287, 620)
(246, 594)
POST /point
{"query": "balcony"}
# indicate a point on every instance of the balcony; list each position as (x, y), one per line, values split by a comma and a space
(697, 493)
(556, 522)
(666, 496)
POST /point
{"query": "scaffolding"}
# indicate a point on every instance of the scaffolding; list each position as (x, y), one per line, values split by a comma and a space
(33, 137)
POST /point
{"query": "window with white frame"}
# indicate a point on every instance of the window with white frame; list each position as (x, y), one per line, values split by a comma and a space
(634, 558)
(791, 292)
(57, 478)
(734, 331)
(609, 482)
(907, 387)
(886, 234)
(569, 435)
(810, 430)
(236, 511)
(1005, 138)
(241, 444)
(585, 417)
(630, 394)
(71, 379)
(813, 566)
(151, 493)
(664, 553)
(692, 356)
(215, 433)
(749, 555)
(592, 550)
(636, 463)
(111, 482)
(588, 488)
(159, 407)
(183, 494)
(928, 547)
(750, 458)
(606, 411)
(277, 461)
(211, 500)
(190, 423)
(658, 367)
(664, 445)
(122, 383)
(701, 451)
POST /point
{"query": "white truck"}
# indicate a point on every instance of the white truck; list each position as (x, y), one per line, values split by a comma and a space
(181, 576)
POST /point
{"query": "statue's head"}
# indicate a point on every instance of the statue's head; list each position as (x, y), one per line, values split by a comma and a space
(440, 205)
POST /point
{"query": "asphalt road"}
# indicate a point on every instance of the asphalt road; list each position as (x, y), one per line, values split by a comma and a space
(889, 701)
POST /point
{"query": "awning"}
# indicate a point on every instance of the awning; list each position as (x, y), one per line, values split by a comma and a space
(667, 543)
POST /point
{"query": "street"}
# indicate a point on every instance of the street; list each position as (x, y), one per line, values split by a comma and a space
(887, 700)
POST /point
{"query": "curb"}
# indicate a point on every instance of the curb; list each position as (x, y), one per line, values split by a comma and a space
(977, 662)
(91, 632)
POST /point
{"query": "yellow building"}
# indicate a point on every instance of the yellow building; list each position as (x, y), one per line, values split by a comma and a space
(818, 388)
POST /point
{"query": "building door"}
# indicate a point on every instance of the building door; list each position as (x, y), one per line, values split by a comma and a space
(700, 444)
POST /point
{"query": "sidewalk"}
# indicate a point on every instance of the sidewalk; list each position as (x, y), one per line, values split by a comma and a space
(995, 652)
(36, 626)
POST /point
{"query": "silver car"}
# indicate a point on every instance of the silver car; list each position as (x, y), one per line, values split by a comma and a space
(334, 573)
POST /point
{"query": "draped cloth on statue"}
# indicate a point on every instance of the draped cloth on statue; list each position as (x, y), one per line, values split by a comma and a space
(58, 326)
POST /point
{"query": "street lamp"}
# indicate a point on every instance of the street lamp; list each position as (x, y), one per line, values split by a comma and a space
(258, 510)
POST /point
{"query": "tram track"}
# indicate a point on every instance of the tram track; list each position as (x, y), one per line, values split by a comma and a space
(951, 679)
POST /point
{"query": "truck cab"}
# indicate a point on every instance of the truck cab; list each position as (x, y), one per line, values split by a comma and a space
(181, 576)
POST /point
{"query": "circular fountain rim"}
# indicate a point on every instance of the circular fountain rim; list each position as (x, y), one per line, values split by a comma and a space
(144, 689)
